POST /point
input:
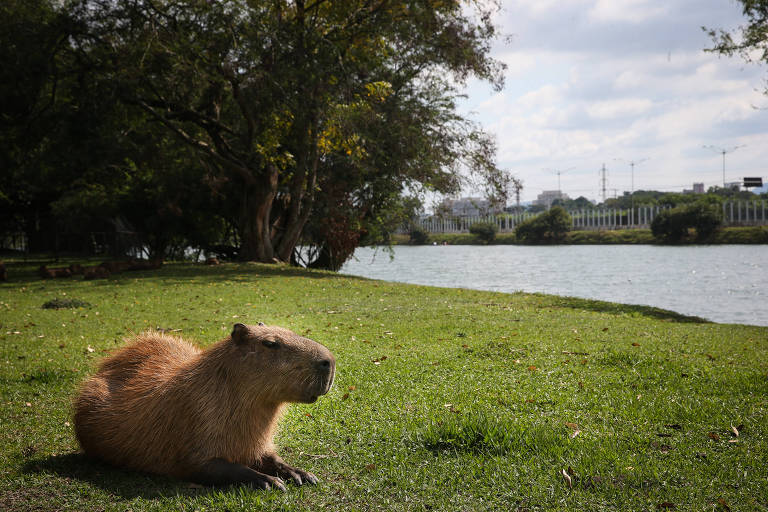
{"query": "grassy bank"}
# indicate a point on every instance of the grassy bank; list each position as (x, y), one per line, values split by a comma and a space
(730, 235)
(445, 399)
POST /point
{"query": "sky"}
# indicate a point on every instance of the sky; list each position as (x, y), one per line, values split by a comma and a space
(608, 82)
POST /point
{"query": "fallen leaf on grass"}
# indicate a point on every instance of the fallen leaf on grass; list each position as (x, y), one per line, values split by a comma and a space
(710, 357)
(666, 505)
(90, 349)
(532, 368)
(346, 395)
(567, 478)
(370, 467)
(724, 504)
(352, 388)
(674, 426)
(635, 344)
(713, 436)
(735, 431)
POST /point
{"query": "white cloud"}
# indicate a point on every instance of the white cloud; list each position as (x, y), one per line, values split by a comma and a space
(591, 81)
(632, 11)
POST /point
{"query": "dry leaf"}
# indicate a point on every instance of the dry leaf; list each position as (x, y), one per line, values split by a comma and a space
(674, 426)
(724, 504)
(605, 329)
(370, 467)
(713, 436)
(572, 426)
(666, 504)
(575, 433)
(352, 388)
(346, 395)
(567, 478)
(90, 349)
(635, 344)
(532, 368)
(735, 431)
(28, 404)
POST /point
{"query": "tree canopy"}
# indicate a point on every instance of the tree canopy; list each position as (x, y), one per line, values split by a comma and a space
(276, 123)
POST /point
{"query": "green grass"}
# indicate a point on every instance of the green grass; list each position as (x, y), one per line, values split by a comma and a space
(483, 402)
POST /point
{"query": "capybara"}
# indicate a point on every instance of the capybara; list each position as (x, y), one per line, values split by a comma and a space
(97, 272)
(50, 273)
(212, 261)
(164, 406)
(76, 268)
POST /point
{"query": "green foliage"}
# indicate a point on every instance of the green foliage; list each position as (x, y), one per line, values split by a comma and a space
(549, 226)
(485, 231)
(417, 236)
(672, 225)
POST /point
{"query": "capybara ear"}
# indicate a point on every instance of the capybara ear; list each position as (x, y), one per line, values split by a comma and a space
(239, 333)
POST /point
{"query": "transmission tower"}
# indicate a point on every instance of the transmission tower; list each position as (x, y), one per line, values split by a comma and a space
(603, 182)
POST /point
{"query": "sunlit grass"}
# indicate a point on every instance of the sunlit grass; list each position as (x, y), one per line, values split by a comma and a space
(445, 399)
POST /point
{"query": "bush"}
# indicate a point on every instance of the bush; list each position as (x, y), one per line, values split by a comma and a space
(673, 225)
(418, 236)
(485, 231)
(549, 226)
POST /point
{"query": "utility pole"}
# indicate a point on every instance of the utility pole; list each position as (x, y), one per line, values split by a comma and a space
(559, 190)
(632, 164)
(603, 182)
(724, 151)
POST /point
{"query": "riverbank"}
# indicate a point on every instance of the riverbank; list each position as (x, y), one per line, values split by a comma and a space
(729, 235)
(469, 401)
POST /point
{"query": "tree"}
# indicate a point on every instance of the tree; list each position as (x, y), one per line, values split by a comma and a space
(549, 226)
(285, 100)
(749, 41)
(672, 225)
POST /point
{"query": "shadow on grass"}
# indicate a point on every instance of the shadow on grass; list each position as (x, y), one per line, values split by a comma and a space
(119, 482)
(630, 309)
(25, 273)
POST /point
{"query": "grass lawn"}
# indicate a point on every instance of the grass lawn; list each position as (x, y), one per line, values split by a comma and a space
(445, 399)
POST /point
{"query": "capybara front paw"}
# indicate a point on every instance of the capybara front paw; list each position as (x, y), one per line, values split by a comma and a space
(267, 482)
(299, 476)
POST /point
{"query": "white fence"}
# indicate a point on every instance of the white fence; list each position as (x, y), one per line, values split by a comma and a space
(735, 213)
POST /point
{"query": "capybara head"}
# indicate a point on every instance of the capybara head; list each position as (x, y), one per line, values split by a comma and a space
(284, 366)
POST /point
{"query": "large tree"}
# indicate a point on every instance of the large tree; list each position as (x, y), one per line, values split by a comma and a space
(291, 101)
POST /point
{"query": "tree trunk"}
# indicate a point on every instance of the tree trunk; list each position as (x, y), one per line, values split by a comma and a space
(255, 224)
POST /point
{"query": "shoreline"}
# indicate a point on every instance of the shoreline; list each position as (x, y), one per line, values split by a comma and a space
(747, 235)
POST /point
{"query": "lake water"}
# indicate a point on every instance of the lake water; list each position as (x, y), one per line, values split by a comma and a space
(723, 283)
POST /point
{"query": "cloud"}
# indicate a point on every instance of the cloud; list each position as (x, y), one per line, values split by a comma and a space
(590, 81)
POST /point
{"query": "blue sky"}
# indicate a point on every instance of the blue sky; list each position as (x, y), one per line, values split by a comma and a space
(593, 82)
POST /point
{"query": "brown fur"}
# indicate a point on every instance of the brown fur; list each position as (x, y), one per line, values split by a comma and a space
(97, 272)
(212, 261)
(50, 273)
(162, 405)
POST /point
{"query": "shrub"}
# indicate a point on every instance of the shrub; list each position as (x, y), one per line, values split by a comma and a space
(549, 226)
(485, 231)
(417, 236)
(672, 225)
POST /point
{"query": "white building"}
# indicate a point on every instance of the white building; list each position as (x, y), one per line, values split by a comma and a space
(467, 207)
(547, 197)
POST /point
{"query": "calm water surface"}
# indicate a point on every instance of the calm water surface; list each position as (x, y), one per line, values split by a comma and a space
(724, 283)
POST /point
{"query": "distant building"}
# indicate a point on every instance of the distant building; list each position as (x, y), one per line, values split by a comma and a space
(734, 185)
(547, 197)
(466, 207)
(698, 188)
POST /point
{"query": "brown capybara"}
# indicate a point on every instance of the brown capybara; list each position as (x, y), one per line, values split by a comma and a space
(164, 406)
(76, 268)
(212, 261)
(50, 273)
(97, 272)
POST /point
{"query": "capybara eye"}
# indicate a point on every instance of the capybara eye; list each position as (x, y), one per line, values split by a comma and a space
(270, 343)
